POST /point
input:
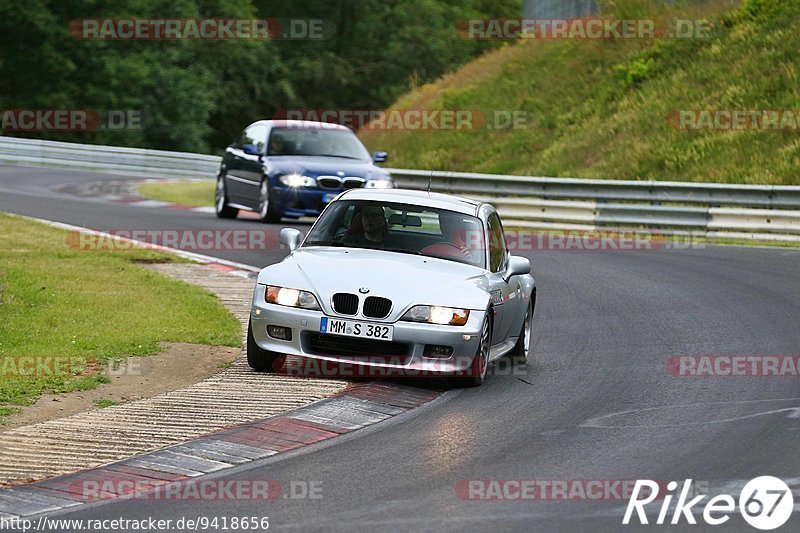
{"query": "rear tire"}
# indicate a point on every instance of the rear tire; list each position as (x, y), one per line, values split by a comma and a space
(261, 360)
(221, 206)
(477, 372)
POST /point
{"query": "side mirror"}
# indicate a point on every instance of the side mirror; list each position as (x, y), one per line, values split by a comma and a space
(380, 157)
(250, 149)
(516, 267)
(290, 238)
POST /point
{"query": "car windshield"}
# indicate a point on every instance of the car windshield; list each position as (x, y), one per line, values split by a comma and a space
(318, 142)
(402, 228)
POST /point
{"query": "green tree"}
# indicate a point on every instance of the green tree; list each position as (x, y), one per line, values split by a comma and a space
(197, 95)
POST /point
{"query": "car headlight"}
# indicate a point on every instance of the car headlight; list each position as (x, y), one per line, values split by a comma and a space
(379, 184)
(434, 314)
(297, 180)
(291, 297)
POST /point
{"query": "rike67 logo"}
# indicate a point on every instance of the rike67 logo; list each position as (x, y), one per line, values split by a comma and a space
(765, 503)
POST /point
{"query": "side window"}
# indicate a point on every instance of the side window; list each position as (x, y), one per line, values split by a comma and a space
(255, 135)
(497, 244)
(335, 223)
(258, 134)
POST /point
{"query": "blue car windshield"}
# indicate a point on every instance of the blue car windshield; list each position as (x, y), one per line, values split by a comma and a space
(319, 142)
(401, 228)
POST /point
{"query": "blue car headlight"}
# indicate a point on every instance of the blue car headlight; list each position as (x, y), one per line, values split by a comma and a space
(297, 180)
(379, 184)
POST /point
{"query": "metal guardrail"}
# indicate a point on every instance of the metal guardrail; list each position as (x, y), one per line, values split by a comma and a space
(109, 159)
(709, 194)
(712, 209)
(770, 212)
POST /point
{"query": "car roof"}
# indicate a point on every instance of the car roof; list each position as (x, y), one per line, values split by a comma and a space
(300, 124)
(410, 196)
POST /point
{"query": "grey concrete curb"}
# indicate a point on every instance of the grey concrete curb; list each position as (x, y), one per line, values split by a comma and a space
(171, 473)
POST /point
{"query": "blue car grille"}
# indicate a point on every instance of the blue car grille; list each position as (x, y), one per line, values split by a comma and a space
(329, 182)
(336, 183)
(352, 183)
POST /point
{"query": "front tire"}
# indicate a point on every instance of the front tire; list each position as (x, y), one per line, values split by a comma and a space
(221, 206)
(477, 372)
(261, 360)
(522, 350)
(266, 209)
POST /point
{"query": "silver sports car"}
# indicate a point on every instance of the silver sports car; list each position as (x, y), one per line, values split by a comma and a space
(395, 283)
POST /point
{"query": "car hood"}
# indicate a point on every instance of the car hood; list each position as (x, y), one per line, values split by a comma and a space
(405, 279)
(325, 166)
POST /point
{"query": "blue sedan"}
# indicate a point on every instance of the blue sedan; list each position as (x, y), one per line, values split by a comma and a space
(288, 168)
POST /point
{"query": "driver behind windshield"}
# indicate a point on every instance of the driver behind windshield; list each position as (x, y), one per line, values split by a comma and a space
(276, 144)
(369, 227)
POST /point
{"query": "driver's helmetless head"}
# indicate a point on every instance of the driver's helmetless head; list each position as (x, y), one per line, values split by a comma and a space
(277, 143)
(373, 214)
(374, 222)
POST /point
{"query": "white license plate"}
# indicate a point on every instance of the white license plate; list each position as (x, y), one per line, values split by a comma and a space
(328, 197)
(352, 328)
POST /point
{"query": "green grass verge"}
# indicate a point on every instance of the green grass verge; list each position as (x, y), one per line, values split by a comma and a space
(600, 108)
(64, 312)
(184, 192)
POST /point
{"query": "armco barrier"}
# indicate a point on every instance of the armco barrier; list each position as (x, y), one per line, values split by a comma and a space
(715, 209)
(108, 159)
(708, 194)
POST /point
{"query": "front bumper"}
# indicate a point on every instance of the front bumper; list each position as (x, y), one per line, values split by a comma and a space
(305, 326)
(299, 202)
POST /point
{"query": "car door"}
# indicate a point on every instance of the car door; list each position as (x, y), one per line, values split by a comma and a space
(252, 165)
(241, 166)
(502, 292)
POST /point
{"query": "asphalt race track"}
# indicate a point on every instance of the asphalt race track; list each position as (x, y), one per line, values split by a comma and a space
(596, 403)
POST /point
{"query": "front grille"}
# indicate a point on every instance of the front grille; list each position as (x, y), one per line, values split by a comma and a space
(345, 303)
(377, 307)
(337, 345)
(352, 183)
(329, 182)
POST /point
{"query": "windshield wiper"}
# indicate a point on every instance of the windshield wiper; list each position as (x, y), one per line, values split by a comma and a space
(326, 243)
(401, 251)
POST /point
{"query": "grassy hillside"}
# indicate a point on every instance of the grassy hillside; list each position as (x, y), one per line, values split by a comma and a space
(600, 108)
